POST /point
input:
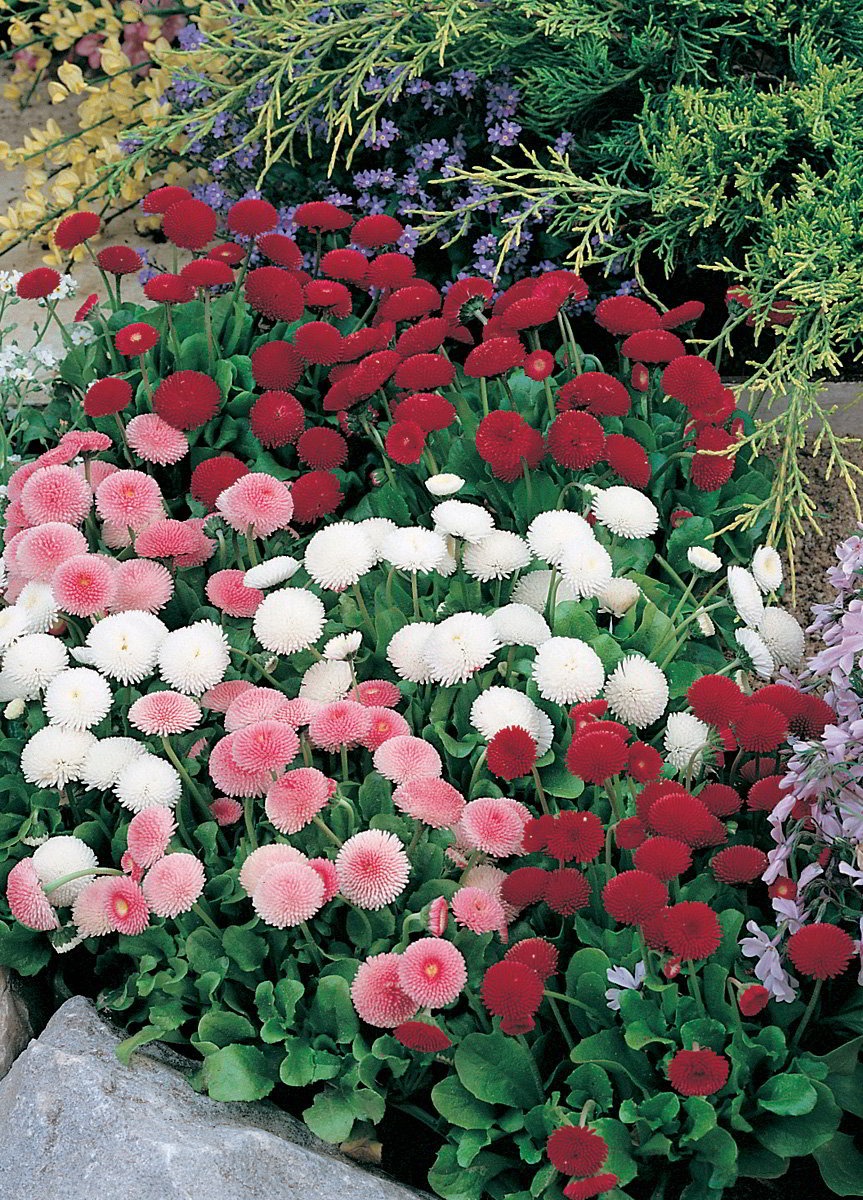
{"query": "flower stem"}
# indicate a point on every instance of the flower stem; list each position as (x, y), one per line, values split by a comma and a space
(206, 918)
(695, 987)
(540, 790)
(249, 821)
(84, 873)
(324, 828)
(804, 1020)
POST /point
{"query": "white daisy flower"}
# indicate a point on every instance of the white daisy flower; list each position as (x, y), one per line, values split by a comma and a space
(550, 533)
(125, 646)
(637, 691)
(77, 699)
(767, 569)
(745, 596)
(59, 856)
(147, 781)
(519, 625)
(532, 589)
(783, 637)
(326, 681)
(15, 709)
(414, 549)
(497, 556)
(702, 559)
(13, 623)
(457, 518)
(567, 671)
(339, 555)
(459, 646)
(105, 759)
(33, 661)
(756, 654)
(686, 738)
(195, 658)
(499, 707)
(406, 652)
(626, 512)
(289, 620)
(343, 646)
(53, 756)
(377, 529)
(444, 484)
(272, 571)
(587, 568)
(618, 597)
(705, 623)
(36, 601)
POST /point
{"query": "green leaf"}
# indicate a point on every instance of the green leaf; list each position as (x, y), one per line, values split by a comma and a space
(331, 1011)
(788, 1095)
(608, 1050)
(557, 781)
(224, 1027)
(298, 1065)
(237, 1073)
(247, 949)
(497, 1069)
(456, 1105)
(756, 1162)
(330, 1117)
(454, 1182)
(841, 1165)
(790, 1137)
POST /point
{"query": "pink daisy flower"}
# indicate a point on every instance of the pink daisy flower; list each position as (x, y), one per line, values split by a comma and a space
(261, 860)
(56, 494)
(197, 748)
(438, 916)
(231, 779)
(226, 811)
(160, 714)
(95, 471)
(432, 801)
(173, 884)
(252, 704)
(257, 501)
(493, 824)
(490, 879)
(227, 591)
(288, 894)
(402, 759)
(478, 910)
(142, 585)
(329, 874)
(85, 441)
(384, 723)
(298, 711)
(379, 693)
(377, 995)
(91, 911)
(220, 697)
(84, 584)
(264, 746)
(202, 548)
(373, 868)
(125, 906)
(149, 833)
(40, 550)
(298, 796)
(18, 478)
(155, 441)
(342, 723)
(167, 538)
(26, 899)
(129, 500)
(432, 972)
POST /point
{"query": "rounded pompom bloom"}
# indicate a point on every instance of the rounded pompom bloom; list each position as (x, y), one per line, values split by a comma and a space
(322, 448)
(231, 779)
(373, 868)
(753, 999)
(567, 670)
(207, 273)
(276, 364)
(187, 399)
(227, 590)
(575, 835)
(40, 550)
(535, 952)
(584, 1189)
(276, 293)
(679, 815)
(289, 620)
(154, 440)
(258, 502)
(524, 886)
(125, 906)
(601, 394)
(194, 658)
(214, 475)
(760, 727)
(512, 990)
(56, 493)
(691, 930)
(377, 994)
(766, 793)
(405, 442)
(715, 699)
(136, 338)
(380, 229)
(406, 758)
(129, 500)
(296, 797)
(147, 781)
(664, 857)
(626, 314)
(511, 752)
(506, 442)
(422, 1037)
(107, 396)
(173, 884)
(149, 833)
(77, 698)
(738, 864)
(282, 250)
(161, 199)
(493, 824)
(27, 900)
(288, 894)
(637, 691)
(783, 636)
(75, 229)
(576, 440)
(36, 284)
(169, 289)
(263, 859)
(341, 723)
(432, 972)
(277, 418)
(596, 756)
(633, 897)
(566, 891)
(339, 555)
(720, 799)
(189, 223)
(653, 346)
(629, 833)
(119, 260)
(698, 1072)
(691, 379)
(494, 357)
(709, 471)
(821, 950)
(84, 584)
(384, 724)
(625, 511)
(430, 800)
(163, 713)
(478, 910)
(251, 216)
(574, 1150)
(539, 364)
(315, 494)
(644, 763)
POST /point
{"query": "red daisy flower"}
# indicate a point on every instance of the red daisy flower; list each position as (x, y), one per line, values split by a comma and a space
(715, 699)
(207, 273)
(275, 293)
(626, 314)
(710, 471)
(321, 215)
(595, 757)
(583, 1189)
(539, 364)
(322, 448)
(276, 365)
(227, 252)
(697, 1072)
(430, 411)
(424, 372)
(37, 284)
(136, 338)
(633, 897)
(691, 930)
(738, 864)
(503, 439)
(277, 418)
(377, 230)
(427, 335)
(467, 297)
(161, 199)
(282, 250)
(680, 815)
(511, 753)
(664, 857)
(601, 394)
(691, 379)
(629, 833)
(511, 989)
(753, 999)
(766, 793)
(644, 762)
(524, 886)
(420, 1036)
(341, 264)
(720, 799)
(169, 289)
(575, 835)
(627, 459)
(251, 217)
(760, 727)
(494, 357)
(417, 300)
(821, 950)
(390, 270)
(318, 342)
(75, 229)
(535, 952)
(190, 224)
(326, 293)
(212, 476)
(586, 713)
(107, 396)
(566, 891)
(187, 399)
(315, 494)
(405, 442)
(574, 1150)
(653, 346)
(576, 440)
(683, 314)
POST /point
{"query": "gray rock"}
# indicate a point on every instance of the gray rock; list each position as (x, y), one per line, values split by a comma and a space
(15, 1030)
(76, 1123)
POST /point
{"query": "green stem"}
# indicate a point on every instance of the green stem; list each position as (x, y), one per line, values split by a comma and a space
(249, 822)
(804, 1020)
(540, 790)
(84, 873)
(325, 829)
(207, 919)
(568, 1000)
(250, 547)
(415, 595)
(483, 391)
(312, 944)
(534, 1069)
(361, 604)
(558, 1016)
(695, 986)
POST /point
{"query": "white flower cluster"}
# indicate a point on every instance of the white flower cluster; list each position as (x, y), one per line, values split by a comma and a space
(771, 637)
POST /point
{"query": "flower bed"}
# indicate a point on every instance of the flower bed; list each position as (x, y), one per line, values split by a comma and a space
(383, 721)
